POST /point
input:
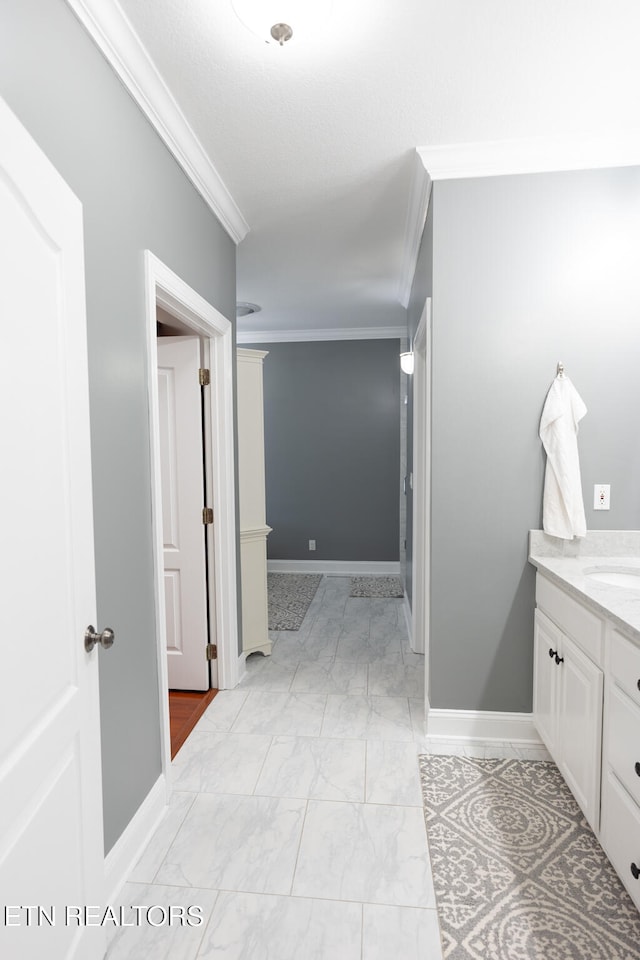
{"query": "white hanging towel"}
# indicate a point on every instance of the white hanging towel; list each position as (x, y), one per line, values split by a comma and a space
(562, 507)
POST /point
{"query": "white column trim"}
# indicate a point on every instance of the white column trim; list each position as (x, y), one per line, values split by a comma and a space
(112, 32)
(254, 533)
(421, 502)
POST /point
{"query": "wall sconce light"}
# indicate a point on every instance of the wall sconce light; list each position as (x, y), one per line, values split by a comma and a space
(406, 362)
(278, 21)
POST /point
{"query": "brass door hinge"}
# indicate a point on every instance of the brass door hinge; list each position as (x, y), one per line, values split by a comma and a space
(204, 377)
(207, 515)
(212, 651)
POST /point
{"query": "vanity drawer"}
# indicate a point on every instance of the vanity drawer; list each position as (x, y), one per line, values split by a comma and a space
(625, 665)
(621, 833)
(583, 626)
(623, 740)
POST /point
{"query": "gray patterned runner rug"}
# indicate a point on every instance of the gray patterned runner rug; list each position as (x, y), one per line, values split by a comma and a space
(289, 597)
(518, 873)
(376, 587)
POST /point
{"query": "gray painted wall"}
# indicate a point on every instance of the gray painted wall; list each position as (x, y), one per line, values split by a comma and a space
(527, 270)
(134, 196)
(332, 449)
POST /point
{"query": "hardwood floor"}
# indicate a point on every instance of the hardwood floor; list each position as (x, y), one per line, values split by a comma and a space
(185, 709)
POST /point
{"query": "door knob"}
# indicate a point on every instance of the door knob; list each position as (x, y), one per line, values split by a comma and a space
(105, 639)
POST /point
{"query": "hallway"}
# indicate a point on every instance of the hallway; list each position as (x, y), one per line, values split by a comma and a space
(296, 821)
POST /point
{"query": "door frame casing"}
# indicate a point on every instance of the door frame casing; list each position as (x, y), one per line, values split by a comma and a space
(166, 289)
(421, 574)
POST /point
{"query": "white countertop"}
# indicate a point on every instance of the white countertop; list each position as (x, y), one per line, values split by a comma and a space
(618, 604)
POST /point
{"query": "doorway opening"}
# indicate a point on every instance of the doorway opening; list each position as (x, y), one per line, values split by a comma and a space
(205, 337)
(185, 709)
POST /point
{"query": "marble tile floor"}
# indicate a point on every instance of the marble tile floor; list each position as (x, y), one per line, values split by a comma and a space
(296, 821)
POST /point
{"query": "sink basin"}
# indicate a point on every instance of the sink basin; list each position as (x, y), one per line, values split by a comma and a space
(616, 576)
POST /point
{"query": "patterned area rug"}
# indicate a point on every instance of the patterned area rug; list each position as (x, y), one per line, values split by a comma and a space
(518, 873)
(289, 596)
(376, 587)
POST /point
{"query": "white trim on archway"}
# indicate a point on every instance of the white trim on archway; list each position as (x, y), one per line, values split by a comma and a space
(421, 581)
(165, 289)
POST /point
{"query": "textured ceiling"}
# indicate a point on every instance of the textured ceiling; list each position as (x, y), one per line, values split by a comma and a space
(314, 141)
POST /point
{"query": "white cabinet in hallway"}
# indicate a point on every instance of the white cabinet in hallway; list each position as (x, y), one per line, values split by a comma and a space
(251, 484)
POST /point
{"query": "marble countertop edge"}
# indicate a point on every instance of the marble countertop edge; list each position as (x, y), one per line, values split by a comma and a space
(618, 605)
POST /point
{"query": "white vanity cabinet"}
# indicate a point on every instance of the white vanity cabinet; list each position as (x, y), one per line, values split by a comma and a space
(568, 691)
(620, 832)
(586, 691)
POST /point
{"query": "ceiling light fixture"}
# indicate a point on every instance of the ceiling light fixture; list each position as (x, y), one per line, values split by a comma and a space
(246, 309)
(277, 21)
(407, 362)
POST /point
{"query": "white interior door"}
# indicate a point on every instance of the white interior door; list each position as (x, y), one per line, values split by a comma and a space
(51, 846)
(182, 482)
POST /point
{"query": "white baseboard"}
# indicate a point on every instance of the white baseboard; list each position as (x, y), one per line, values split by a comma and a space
(242, 667)
(481, 725)
(336, 568)
(126, 852)
(408, 617)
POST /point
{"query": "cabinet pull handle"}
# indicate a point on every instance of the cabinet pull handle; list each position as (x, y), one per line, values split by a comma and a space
(559, 660)
(637, 768)
(638, 684)
(553, 653)
(635, 871)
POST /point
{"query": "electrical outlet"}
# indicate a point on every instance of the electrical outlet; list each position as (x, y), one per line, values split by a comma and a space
(602, 496)
(312, 544)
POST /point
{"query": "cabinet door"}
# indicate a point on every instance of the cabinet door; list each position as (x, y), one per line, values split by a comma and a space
(546, 676)
(580, 734)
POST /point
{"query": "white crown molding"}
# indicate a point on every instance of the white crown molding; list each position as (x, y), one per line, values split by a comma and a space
(419, 198)
(110, 29)
(534, 155)
(298, 336)
(495, 158)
